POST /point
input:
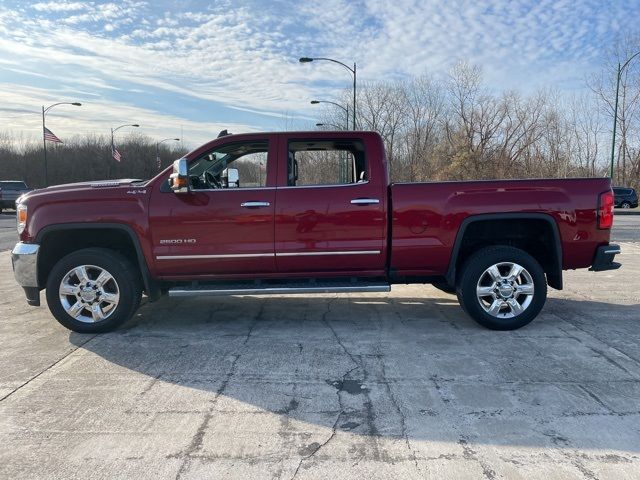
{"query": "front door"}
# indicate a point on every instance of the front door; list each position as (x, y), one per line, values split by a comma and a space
(225, 224)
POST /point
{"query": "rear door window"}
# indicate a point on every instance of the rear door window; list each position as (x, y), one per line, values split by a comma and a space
(326, 162)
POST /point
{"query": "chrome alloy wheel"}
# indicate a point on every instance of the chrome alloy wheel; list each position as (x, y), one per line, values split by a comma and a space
(89, 293)
(505, 290)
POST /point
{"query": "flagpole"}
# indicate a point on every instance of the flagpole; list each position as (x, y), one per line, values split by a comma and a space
(110, 157)
(44, 140)
(44, 144)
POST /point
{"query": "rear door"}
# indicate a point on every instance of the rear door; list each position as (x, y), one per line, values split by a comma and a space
(330, 206)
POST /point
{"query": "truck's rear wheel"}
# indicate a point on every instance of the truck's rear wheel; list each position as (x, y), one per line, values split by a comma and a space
(502, 288)
(93, 290)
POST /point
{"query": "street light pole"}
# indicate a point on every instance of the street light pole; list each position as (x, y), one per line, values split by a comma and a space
(44, 141)
(346, 109)
(352, 70)
(114, 130)
(44, 146)
(615, 111)
(158, 149)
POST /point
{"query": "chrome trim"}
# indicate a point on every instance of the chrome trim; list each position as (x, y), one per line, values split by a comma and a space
(614, 251)
(196, 257)
(278, 254)
(234, 189)
(325, 186)
(109, 183)
(255, 204)
(24, 258)
(375, 288)
(365, 201)
(352, 252)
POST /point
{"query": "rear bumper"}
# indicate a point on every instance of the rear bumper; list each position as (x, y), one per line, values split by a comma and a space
(603, 259)
(24, 258)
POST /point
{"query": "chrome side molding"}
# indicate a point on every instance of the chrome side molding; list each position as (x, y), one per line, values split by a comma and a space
(279, 290)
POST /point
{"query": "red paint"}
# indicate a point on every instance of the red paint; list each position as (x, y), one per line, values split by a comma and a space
(425, 220)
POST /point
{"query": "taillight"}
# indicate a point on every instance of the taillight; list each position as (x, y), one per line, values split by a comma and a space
(605, 210)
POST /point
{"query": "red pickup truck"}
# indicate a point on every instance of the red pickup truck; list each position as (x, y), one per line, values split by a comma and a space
(305, 212)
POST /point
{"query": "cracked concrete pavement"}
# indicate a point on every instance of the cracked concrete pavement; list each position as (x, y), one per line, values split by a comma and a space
(334, 386)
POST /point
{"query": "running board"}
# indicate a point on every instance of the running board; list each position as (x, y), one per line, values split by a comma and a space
(278, 289)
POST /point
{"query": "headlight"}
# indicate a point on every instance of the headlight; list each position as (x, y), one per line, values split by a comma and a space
(21, 216)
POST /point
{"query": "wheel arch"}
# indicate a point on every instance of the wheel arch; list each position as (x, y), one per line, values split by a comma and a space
(54, 241)
(552, 267)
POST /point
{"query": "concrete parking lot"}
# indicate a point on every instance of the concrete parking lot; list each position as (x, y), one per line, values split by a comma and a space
(335, 386)
(8, 234)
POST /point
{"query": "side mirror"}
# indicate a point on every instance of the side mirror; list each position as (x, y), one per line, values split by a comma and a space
(179, 179)
(231, 177)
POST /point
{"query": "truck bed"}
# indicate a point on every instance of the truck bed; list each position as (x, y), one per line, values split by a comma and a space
(427, 217)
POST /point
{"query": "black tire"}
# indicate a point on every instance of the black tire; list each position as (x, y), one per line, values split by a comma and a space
(126, 280)
(445, 287)
(625, 205)
(473, 271)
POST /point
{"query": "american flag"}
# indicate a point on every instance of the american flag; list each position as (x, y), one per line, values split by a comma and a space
(50, 136)
(115, 154)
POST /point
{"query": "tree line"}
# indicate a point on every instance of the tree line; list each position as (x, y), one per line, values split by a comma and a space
(83, 158)
(455, 128)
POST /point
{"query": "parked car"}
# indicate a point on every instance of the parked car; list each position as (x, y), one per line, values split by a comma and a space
(303, 213)
(625, 197)
(10, 191)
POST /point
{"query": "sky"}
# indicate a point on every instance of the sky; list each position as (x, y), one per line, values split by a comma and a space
(199, 67)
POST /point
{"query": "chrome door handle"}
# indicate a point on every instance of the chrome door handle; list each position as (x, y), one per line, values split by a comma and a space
(365, 201)
(255, 204)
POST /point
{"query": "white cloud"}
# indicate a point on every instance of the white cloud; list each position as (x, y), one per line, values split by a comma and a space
(59, 6)
(243, 55)
(96, 117)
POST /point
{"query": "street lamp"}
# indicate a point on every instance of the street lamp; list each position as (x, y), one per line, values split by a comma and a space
(158, 149)
(352, 70)
(346, 109)
(114, 130)
(44, 141)
(615, 111)
(332, 125)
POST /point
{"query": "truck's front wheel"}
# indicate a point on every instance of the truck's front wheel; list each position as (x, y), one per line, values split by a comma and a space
(502, 288)
(93, 290)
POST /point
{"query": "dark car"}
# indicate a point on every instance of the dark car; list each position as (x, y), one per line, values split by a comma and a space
(625, 197)
(10, 191)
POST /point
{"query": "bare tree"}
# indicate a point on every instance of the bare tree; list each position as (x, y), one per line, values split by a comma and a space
(604, 86)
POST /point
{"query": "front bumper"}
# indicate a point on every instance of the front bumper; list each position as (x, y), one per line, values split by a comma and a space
(603, 259)
(24, 258)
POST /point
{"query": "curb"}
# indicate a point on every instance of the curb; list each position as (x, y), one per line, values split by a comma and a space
(621, 211)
